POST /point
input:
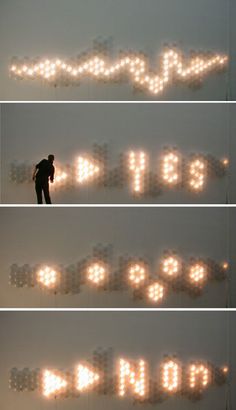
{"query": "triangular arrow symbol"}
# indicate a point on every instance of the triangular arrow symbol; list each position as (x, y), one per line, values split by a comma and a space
(86, 377)
(53, 383)
(87, 169)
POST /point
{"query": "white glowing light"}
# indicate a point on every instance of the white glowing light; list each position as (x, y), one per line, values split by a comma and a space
(134, 377)
(137, 273)
(130, 378)
(225, 162)
(198, 174)
(173, 66)
(86, 378)
(47, 276)
(137, 164)
(198, 273)
(149, 285)
(97, 273)
(171, 376)
(86, 169)
(155, 292)
(92, 168)
(60, 177)
(171, 266)
(170, 169)
(199, 376)
(53, 383)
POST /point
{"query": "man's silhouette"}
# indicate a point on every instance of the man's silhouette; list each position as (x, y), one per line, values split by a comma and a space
(44, 171)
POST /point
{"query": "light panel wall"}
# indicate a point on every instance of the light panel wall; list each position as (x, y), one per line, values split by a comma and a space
(32, 28)
(67, 235)
(60, 339)
(32, 131)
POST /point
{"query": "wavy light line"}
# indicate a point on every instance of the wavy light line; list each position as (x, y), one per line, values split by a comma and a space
(173, 67)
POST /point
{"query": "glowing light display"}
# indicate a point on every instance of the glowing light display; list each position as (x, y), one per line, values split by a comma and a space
(47, 277)
(86, 378)
(86, 169)
(60, 178)
(171, 266)
(175, 172)
(97, 273)
(53, 383)
(134, 376)
(199, 375)
(156, 292)
(151, 284)
(129, 378)
(198, 273)
(137, 273)
(171, 169)
(174, 67)
(198, 174)
(137, 167)
(171, 376)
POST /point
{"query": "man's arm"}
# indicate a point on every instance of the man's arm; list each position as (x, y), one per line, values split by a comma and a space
(52, 174)
(36, 170)
(34, 173)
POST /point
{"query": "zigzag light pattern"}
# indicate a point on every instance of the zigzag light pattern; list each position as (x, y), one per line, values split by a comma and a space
(174, 66)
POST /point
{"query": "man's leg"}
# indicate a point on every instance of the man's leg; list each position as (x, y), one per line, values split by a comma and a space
(38, 189)
(46, 193)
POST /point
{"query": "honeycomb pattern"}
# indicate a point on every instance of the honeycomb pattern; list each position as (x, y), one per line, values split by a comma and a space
(123, 377)
(132, 274)
(133, 172)
(131, 66)
(24, 380)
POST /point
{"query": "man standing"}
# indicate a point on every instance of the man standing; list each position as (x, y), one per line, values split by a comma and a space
(44, 171)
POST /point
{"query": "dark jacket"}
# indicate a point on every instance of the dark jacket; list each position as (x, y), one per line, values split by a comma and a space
(45, 170)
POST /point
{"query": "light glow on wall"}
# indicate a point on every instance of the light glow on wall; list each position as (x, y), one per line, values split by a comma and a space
(86, 170)
(47, 276)
(53, 383)
(174, 68)
(60, 177)
(85, 378)
(199, 375)
(137, 273)
(198, 273)
(198, 174)
(171, 266)
(97, 273)
(122, 378)
(133, 375)
(149, 283)
(156, 292)
(171, 374)
(171, 169)
(175, 172)
(137, 162)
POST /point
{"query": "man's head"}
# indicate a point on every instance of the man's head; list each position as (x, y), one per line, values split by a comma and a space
(51, 158)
